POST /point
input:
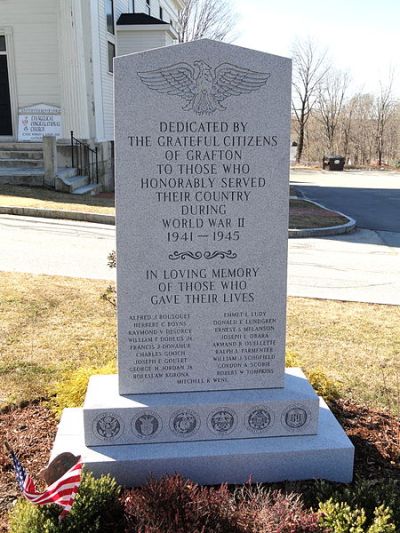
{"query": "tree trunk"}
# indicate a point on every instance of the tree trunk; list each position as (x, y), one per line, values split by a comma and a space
(302, 127)
(300, 144)
(380, 154)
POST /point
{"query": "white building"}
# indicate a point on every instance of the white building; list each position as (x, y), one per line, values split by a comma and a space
(58, 54)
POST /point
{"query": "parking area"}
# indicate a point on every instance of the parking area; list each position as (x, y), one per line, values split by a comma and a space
(370, 197)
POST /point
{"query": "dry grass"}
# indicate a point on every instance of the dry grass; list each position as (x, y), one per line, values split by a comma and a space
(305, 215)
(356, 344)
(16, 196)
(50, 324)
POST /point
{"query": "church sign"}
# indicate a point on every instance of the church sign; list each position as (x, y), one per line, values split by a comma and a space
(38, 120)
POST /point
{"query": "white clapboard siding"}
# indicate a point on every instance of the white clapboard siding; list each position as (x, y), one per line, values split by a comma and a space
(170, 9)
(140, 7)
(140, 40)
(120, 6)
(127, 42)
(35, 45)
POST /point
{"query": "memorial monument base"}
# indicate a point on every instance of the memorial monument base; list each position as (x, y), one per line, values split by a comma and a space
(276, 434)
(327, 455)
(114, 419)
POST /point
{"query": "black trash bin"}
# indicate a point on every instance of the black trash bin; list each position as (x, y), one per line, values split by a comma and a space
(333, 162)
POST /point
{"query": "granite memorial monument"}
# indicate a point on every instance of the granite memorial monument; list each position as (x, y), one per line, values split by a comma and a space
(202, 135)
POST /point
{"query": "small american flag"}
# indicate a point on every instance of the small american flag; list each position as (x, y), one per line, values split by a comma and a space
(62, 492)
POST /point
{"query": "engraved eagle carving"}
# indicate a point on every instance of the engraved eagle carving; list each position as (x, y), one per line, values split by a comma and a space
(203, 88)
(108, 426)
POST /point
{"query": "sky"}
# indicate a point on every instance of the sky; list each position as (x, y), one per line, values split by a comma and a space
(360, 36)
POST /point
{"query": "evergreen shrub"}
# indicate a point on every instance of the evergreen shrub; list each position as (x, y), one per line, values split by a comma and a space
(97, 509)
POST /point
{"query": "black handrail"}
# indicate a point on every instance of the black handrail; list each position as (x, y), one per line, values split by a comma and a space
(85, 159)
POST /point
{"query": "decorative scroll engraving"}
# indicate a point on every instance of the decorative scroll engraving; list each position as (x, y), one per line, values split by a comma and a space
(207, 255)
(228, 254)
(183, 255)
(202, 87)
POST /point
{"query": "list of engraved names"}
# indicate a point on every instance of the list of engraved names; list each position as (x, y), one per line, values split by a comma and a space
(243, 344)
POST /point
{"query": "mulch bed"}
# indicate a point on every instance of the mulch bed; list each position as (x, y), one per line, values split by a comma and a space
(303, 214)
(376, 437)
(30, 430)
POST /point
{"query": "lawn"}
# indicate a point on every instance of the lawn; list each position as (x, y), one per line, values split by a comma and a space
(16, 196)
(357, 344)
(52, 324)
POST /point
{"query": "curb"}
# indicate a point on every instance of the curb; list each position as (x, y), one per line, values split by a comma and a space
(53, 213)
(323, 232)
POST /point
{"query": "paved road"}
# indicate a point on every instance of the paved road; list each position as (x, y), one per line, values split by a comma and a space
(362, 266)
(371, 197)
(59, 247)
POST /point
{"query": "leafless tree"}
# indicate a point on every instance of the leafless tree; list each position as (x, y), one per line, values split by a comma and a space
(392, 143)
(331, 97)
(384, 110)
(212, 19)
(362, 131)
(356, 133)
(309, 69)
(346, 126)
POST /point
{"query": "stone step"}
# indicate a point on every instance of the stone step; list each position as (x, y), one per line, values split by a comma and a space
(21, 163)
(31, 177)
(68, 183)
(20, 154)
(20, 146)
(91, 188)
(76, 182)
(67, 172)
(27, 180)
(21, 176)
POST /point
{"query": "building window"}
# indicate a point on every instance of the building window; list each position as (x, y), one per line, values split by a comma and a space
(2, 43)
(161, 13)
(110, 16)
(148, 7)
(111, 55)
(133, 6)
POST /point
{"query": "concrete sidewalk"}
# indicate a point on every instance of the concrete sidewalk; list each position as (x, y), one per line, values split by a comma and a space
(363, 266)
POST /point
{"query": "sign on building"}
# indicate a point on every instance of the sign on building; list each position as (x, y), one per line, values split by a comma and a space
(38, 120)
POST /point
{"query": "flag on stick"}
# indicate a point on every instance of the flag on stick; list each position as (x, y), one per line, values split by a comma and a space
(62, 491)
